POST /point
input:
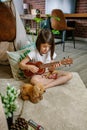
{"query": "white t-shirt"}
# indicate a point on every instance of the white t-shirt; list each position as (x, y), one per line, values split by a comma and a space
(45, 58)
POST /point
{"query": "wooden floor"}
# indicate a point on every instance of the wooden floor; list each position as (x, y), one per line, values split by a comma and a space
(79, 55)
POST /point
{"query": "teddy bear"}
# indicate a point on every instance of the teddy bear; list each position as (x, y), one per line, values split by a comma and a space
(34, 93)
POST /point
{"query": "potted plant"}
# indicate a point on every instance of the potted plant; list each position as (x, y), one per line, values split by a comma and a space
(40, 24)
(9, 102)
(38, 20)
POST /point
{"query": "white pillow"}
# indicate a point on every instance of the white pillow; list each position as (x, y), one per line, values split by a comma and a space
(14, 59)
(16, 56)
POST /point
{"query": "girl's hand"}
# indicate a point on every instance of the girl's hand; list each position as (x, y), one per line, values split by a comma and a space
(57, 64)
(33, 68)
(53, 67)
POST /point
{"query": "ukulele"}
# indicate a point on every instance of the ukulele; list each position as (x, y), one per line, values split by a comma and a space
(41, 66)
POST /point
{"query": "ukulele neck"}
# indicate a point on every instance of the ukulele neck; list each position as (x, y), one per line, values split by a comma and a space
(48, 64)
(65, 61)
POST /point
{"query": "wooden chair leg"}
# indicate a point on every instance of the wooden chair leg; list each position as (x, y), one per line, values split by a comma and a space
(73, 38)
(14, 46)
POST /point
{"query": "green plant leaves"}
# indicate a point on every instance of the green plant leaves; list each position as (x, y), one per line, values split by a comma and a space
(9, 100)
(55, 32)
(38, 20)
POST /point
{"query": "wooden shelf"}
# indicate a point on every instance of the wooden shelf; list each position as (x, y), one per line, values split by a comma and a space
(75, 15)
(27, 16)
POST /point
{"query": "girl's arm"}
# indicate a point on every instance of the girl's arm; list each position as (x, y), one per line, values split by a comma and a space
(25, 66)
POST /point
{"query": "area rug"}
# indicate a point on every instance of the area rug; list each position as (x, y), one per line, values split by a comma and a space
(62, 108)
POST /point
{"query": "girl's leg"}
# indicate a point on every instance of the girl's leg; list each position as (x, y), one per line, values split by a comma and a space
(40, 79)
(63, 77)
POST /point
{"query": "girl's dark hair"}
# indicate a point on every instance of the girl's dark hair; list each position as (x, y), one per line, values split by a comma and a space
(45, 36)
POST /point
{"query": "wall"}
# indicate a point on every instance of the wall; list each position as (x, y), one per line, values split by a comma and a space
(37, 4)
(60, 4)
(81, 24)
(81, 7)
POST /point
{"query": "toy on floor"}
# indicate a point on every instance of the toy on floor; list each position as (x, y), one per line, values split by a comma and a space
(34, 126)
(34, 93)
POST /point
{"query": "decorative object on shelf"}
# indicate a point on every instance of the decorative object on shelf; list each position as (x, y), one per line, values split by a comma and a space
(35, 11)
(38, 11)
(25, 7)
(9, 102)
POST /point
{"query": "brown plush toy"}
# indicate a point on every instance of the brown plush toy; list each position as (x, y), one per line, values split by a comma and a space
(32, 93)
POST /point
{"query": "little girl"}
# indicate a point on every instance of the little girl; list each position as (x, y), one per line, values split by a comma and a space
(44, 52)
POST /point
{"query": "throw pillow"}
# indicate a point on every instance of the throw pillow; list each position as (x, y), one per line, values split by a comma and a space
(14, 59)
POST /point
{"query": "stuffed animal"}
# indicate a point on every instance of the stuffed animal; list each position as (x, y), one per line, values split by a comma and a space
(34, 93)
